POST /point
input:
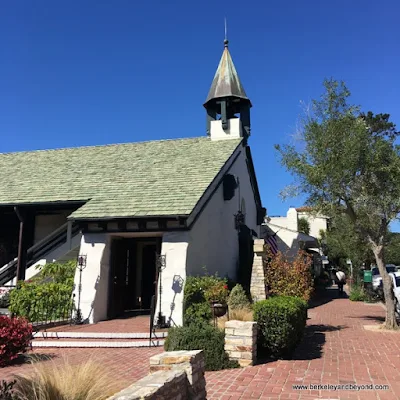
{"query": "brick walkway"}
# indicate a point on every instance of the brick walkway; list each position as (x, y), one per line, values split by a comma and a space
(126, 365)
(336, 350)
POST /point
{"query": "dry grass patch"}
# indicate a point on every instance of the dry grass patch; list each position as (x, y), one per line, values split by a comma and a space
(63, 381)
(240, 314)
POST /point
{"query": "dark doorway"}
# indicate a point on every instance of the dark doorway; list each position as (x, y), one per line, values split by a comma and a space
(133, 275)
(246, 256)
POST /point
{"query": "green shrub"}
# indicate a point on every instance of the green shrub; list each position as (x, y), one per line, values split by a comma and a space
(41, 302)
(357, 294)
(195, 305)
(201, 337)
(281, 321)
(47, 296)
(238, 298)
(197, 313)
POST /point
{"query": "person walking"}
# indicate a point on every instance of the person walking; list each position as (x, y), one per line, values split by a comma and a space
(341, 280)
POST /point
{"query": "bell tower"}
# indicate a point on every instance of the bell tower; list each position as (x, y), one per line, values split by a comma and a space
(227, 105)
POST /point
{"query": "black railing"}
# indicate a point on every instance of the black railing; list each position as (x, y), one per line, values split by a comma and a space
(39, 250)
(45, 312)
(152, 314)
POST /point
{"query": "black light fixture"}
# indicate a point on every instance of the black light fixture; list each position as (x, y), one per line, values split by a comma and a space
(161, 265)
(239, 219)
(82, 259)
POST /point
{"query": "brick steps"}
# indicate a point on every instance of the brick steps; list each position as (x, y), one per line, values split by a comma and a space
(95, 344)
(98, 335)
(97, 339)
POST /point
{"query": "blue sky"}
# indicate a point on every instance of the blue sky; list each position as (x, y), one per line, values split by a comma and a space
(98, 72)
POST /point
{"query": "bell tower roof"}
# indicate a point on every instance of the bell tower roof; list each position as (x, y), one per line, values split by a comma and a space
(226, 82)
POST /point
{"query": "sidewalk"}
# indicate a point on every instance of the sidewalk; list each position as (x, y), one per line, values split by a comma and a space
(336, 350)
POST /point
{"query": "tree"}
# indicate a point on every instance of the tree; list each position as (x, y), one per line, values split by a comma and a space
(304, 225)
(393, 249)
(349, 164)
(343, 243)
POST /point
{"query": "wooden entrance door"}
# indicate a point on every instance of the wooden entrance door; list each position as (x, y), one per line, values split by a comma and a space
(133, 275)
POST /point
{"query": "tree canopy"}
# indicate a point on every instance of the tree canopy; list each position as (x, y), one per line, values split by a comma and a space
(348, 163)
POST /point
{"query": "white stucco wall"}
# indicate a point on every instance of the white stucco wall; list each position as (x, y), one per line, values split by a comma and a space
(94, 295)
(213, 239)
(291, 221)
(174, 247)
(317, 223)
(234, 130)
(279, 221)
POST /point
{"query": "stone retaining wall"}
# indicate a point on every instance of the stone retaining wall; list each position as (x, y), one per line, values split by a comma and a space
(173, 375)
(241, 342)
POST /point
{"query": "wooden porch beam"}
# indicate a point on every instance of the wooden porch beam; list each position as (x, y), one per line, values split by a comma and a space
(22, 245)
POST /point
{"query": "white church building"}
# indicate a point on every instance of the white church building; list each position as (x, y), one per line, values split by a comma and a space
(132, 210)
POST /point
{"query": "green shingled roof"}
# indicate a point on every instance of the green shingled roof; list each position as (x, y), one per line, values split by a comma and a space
(155, 178)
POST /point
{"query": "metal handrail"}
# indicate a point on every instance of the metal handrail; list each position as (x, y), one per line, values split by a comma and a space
(34, 253)
(152, 314)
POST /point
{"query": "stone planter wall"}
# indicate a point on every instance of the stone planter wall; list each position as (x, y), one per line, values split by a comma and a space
(241, 342)
(173, 375)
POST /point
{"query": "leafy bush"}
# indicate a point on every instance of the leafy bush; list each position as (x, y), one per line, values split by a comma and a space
(218, 292)
(88, 381)
(6, 390)
(47, 296)
(58, 272)
(41, 302)
(357, 294)
(195, 304)
(197, 313)
(238, 298)
(281, 321)
(290, 278)
(201, 337)
(15, 337)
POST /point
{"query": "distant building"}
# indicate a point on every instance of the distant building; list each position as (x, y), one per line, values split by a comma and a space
(289, 240)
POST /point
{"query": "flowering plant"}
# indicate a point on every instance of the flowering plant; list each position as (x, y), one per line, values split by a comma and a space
(15, 337)
(218, 292)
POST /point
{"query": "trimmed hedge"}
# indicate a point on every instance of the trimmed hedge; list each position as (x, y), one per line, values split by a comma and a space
(201, 337)
(281, 321)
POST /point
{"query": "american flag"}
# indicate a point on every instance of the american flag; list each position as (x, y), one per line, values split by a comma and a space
(273, 244)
